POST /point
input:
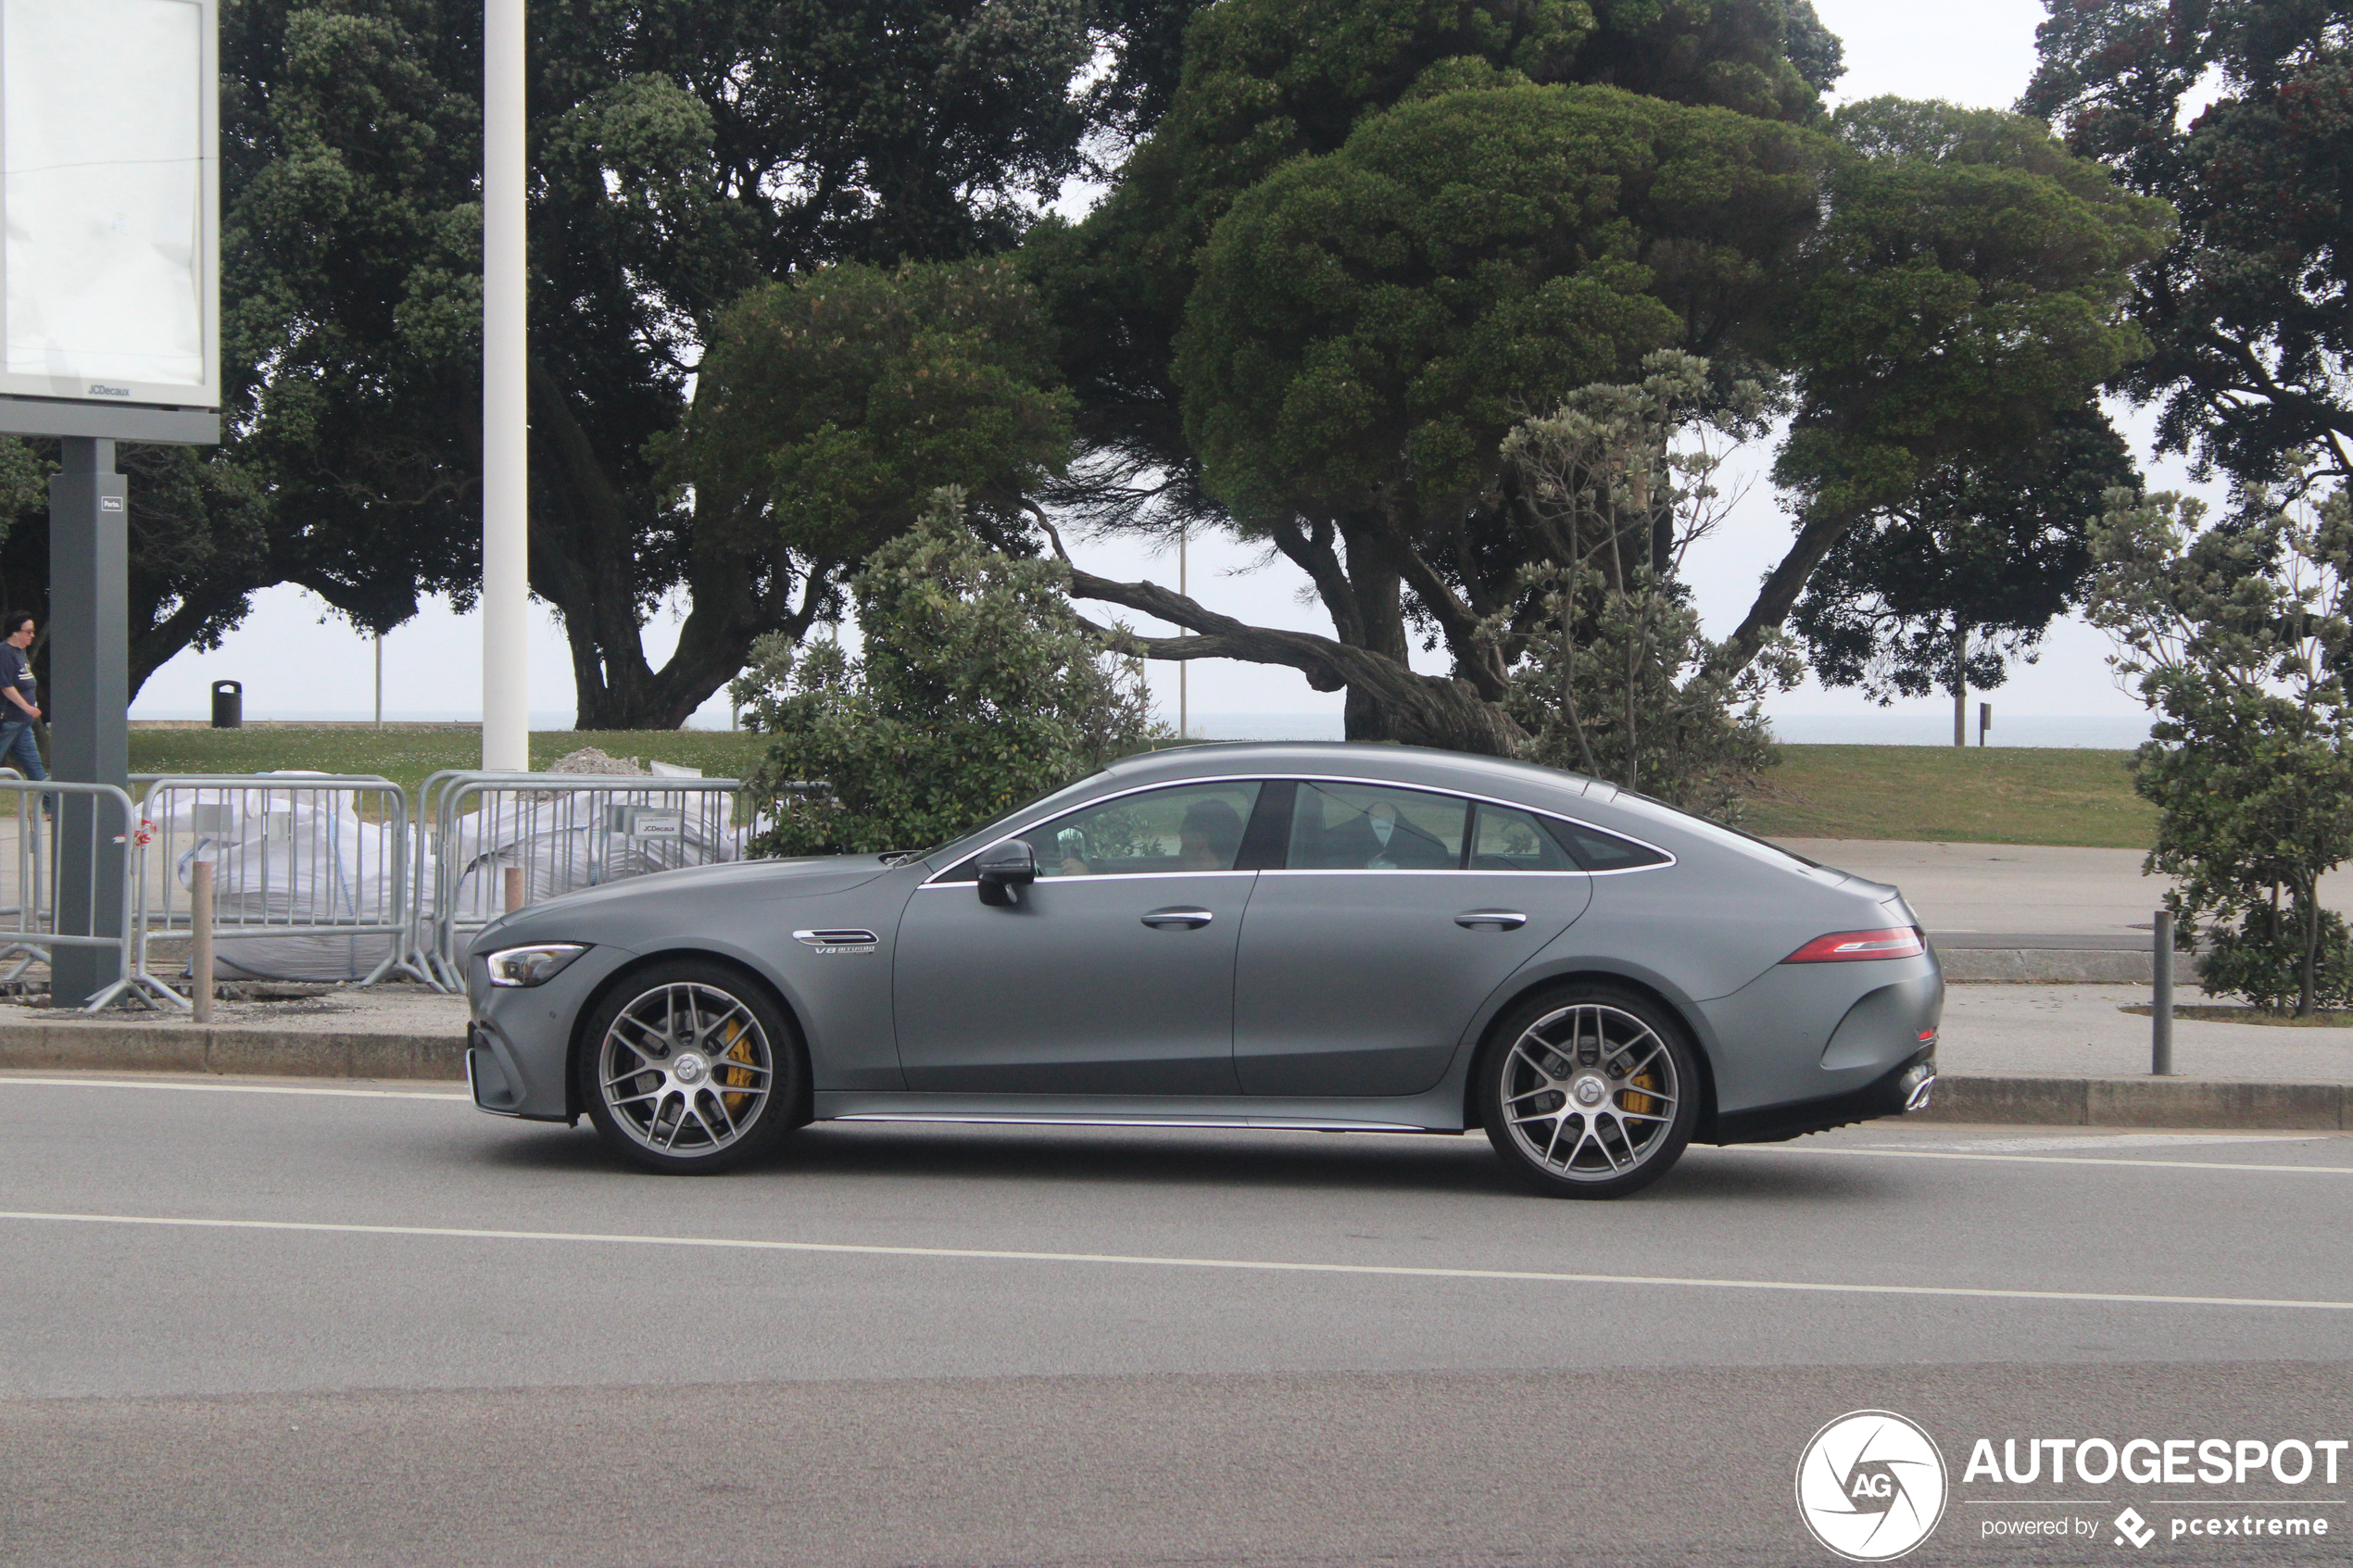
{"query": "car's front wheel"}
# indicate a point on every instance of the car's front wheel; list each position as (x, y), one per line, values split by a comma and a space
(690, 1067)
(1589, 1091)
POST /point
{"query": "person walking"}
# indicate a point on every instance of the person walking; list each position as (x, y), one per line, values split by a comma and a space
(21, 701)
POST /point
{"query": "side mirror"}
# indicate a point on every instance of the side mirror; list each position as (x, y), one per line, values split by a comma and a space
(1001, 867)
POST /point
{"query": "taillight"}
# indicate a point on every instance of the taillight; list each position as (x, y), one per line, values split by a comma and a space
(1846, 946)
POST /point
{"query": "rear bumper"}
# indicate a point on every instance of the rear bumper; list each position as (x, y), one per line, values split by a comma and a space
(1902, 1088)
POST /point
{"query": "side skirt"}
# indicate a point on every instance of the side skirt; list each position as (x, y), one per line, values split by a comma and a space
(1420, 1113)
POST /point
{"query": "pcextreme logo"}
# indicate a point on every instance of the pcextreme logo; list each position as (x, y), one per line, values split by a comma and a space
(1870, 1485)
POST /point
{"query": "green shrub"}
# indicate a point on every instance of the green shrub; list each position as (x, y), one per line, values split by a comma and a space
(977, 688)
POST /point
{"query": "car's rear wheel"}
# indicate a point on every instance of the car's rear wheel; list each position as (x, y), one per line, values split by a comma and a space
(690, 1067)
(1589, 1091)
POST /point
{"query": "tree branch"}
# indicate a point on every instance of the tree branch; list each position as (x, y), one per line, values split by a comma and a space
(1429, 709)
(1779, 596)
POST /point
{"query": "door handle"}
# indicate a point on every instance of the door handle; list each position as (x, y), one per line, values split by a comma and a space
(1501, 920)
(1178, 917)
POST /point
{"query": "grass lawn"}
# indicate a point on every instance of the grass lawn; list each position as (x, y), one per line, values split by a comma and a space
(1997, 794)
(407, 756)
(1989, 795)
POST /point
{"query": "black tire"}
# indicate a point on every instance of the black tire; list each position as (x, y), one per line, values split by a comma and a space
(1589, 1091)
(690, 1067)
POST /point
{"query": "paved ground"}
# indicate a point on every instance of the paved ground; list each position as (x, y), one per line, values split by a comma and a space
(397, 1331)
(2084, 1030)
(1970, 889)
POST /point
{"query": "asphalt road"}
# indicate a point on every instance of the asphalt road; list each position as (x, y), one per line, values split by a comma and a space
(329, 1326)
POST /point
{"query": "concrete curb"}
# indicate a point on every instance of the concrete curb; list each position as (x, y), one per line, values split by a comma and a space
(2060, 966)
(2141, 1102)
(229, 1050)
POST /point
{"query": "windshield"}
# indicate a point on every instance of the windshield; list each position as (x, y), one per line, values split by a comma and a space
(992, 829)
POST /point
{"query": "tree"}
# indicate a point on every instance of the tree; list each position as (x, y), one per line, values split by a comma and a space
(1614, 680)
(1963, 293)
(688, 150)
(2249, 312)
(1304, 315)
(829, 405)
(2239, 638)
(684, 152)
(977, 688)
(1945, 588)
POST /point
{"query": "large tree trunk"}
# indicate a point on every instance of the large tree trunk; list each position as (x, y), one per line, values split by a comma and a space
(582, 562)
(1778, 596)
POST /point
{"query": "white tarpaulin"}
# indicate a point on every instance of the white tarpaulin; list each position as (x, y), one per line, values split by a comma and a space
(102, 112)
(293, 859)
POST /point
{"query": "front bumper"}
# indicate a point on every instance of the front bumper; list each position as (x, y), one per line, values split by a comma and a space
(519, 1040)
(1902, 1088)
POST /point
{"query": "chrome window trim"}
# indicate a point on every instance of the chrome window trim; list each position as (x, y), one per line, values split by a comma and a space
(1426, 870)
(938, 878)
(1089, 878)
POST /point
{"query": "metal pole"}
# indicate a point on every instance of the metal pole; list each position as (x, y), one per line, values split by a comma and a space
(201, 929)
(89, 689)
(380, 680)
(1184, 668)
(506, 419)
(2161, 1003)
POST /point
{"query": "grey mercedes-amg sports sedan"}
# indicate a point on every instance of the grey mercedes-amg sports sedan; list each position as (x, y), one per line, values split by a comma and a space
(1352, 937)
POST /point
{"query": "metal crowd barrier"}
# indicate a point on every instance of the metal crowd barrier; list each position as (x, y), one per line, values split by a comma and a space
(319, 857)
(36, 892)
(560, 832)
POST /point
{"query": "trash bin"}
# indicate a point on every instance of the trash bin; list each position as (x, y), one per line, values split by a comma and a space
(227, 705)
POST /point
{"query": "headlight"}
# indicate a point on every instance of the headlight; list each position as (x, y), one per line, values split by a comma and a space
(534, 965)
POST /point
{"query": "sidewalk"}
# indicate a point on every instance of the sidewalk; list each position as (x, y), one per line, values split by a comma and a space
(2069, 1056)
(398, 1031)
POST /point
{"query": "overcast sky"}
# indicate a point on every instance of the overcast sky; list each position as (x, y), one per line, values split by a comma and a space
(295, 659)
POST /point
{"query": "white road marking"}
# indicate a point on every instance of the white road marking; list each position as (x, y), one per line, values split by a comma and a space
(2079, 1159)
(1248, 1265)
(2113, 1140)
(6, 1080)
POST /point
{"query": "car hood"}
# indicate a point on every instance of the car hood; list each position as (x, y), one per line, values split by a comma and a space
(775, 879)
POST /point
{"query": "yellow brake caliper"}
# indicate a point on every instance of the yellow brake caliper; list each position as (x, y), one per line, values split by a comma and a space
(738, 1040)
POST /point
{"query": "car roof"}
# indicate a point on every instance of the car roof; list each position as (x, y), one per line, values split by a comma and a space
(1398, 764)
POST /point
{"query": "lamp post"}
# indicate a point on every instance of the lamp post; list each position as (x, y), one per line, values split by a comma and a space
(505, 416)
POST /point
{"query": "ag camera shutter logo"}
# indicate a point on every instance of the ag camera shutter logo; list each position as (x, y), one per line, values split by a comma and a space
(1870, 1485)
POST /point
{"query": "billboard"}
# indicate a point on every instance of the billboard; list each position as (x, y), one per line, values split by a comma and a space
(110, 201)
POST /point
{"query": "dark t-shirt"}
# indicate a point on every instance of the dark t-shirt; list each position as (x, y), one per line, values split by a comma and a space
(16, 669)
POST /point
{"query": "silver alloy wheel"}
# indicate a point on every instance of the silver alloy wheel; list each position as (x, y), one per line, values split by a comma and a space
(684, 1069)
(1589, 1092)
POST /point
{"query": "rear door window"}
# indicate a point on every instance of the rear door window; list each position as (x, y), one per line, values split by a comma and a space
(1376, 827)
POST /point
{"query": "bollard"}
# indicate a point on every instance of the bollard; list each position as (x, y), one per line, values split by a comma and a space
(514, 888)
(2161, 1004)
(200, 927)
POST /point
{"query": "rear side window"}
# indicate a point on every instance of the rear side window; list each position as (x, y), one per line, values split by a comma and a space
(1503, 839)
(1599, 851)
